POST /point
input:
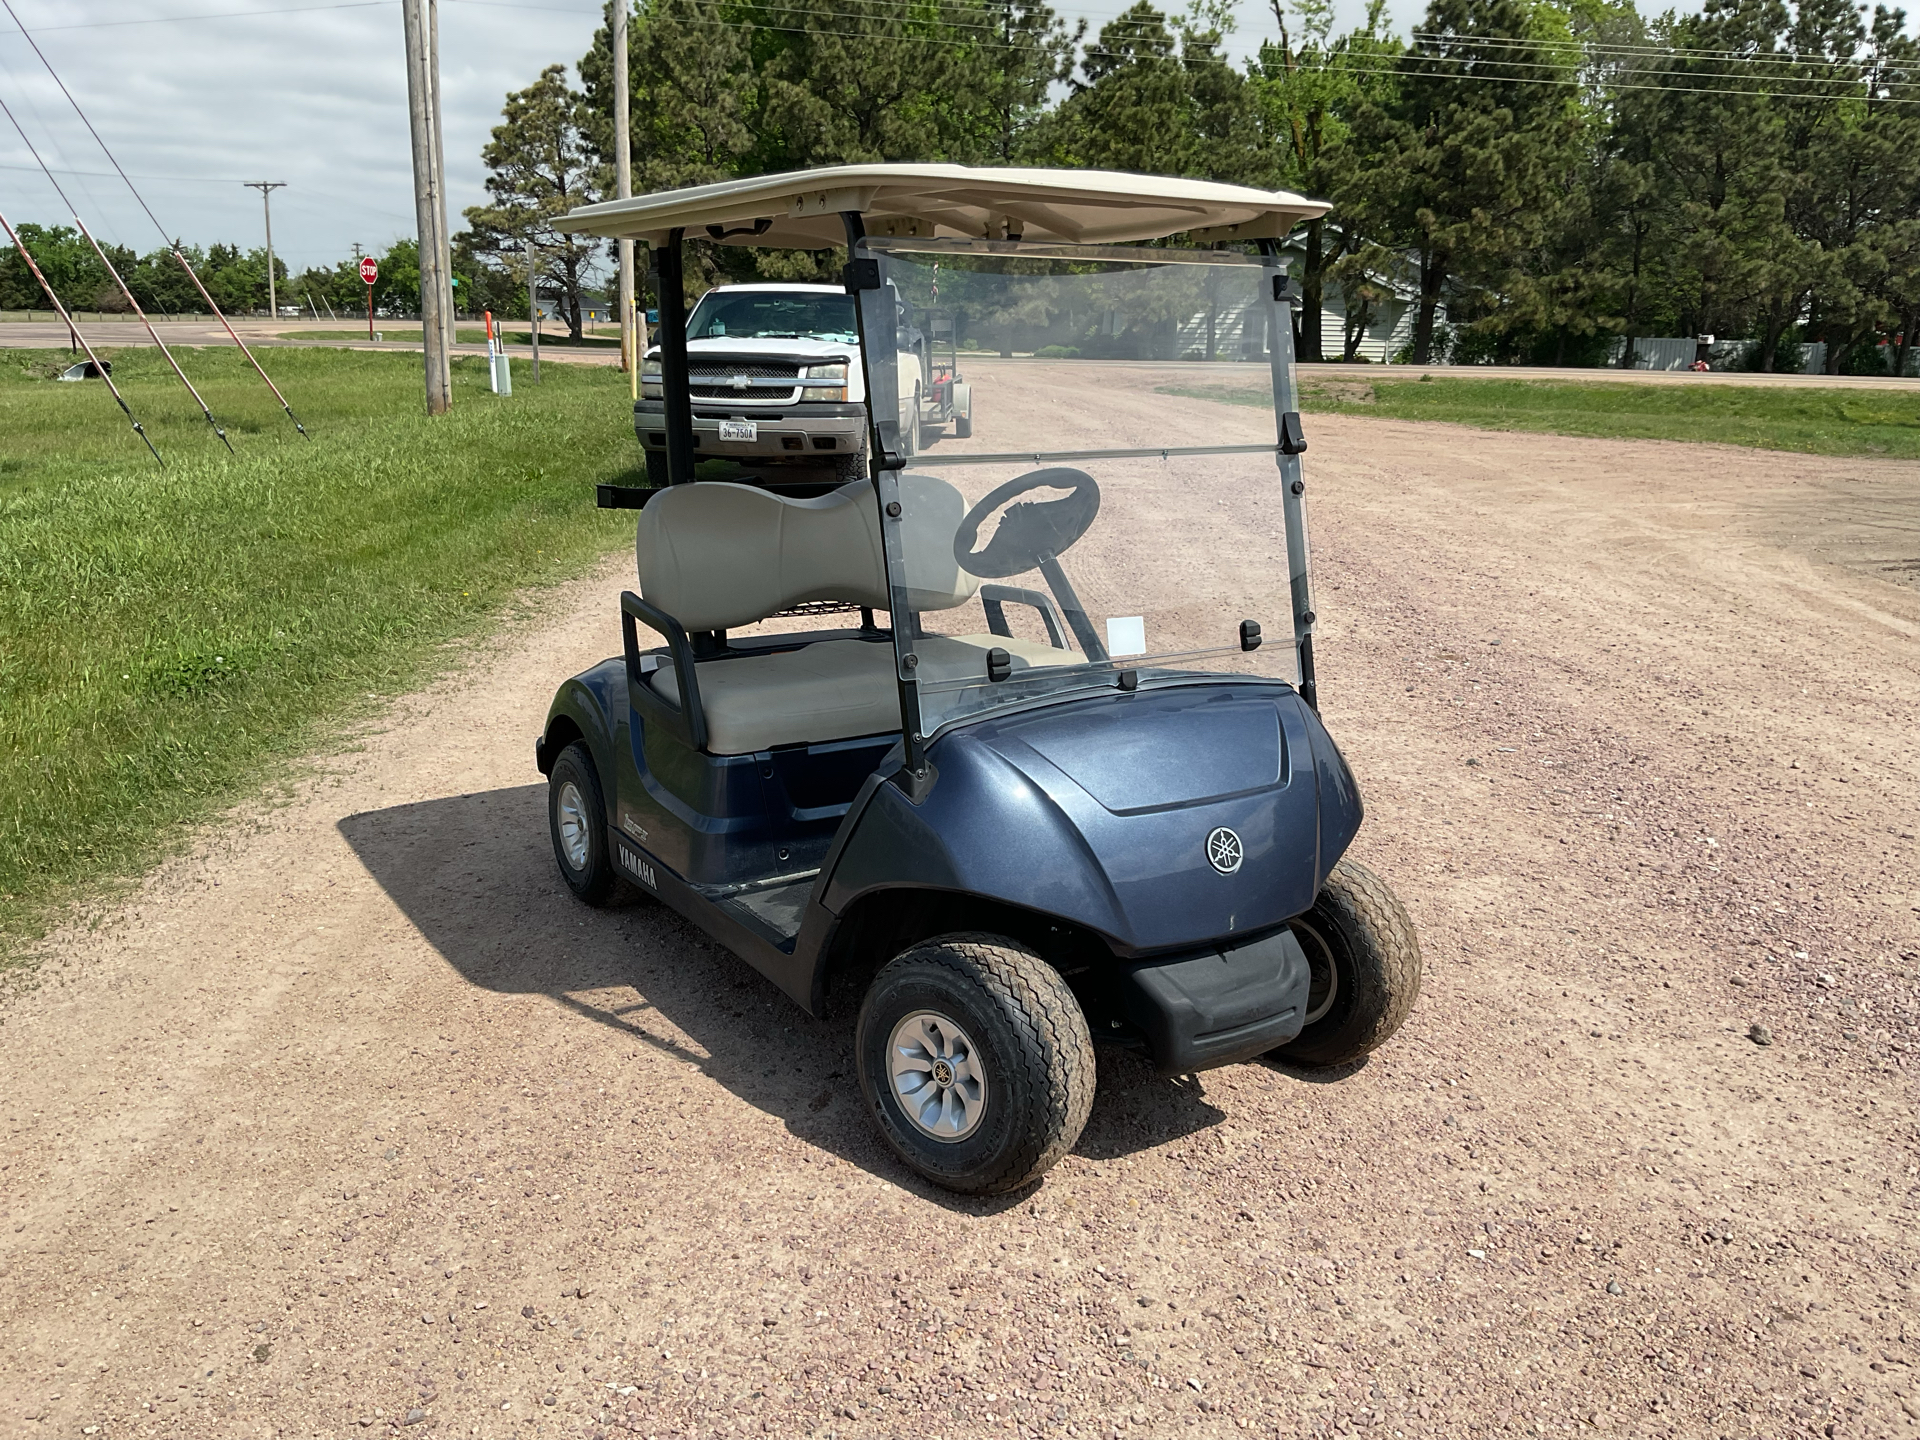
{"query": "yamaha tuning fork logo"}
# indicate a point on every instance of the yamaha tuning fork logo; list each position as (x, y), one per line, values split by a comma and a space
(1224, 851)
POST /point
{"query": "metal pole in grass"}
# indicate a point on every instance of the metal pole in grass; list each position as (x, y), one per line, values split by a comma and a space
(533, 306)
(623, 180)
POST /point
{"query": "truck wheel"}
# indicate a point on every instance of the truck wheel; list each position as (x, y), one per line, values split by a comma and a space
(577, 816)
(849, 468)
(975, 1060)
(963, 412)
(1363, 959)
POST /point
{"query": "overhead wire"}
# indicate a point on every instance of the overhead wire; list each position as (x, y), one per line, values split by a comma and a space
(165, 239)
(213, 15)
(1810, 85)
(1393, 64)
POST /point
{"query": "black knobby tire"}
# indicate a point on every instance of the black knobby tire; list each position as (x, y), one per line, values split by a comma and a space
(657, 475)
(849, 468)
(1028, 1036)
(1365, 963)
(588, 871)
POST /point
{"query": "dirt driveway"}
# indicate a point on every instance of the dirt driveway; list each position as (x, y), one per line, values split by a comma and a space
(352, 1121)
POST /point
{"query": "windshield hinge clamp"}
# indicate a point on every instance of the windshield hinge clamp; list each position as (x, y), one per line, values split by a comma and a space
(1293, 440)
(861, 274)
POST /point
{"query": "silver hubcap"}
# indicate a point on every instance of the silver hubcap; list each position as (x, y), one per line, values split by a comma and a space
(573, 825)
(936, 1076)
(1323, 976)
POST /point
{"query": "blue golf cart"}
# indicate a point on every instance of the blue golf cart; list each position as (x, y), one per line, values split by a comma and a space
(1015, 737)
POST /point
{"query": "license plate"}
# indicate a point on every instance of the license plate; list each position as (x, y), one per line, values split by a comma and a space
(739, 430)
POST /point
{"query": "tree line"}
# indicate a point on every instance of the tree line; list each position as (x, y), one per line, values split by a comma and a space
(235, 278)
(1537, 179)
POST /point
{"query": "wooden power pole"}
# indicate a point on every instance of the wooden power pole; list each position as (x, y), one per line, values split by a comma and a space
(266, 189)
(623, 183)
(428, 208)
(449, 308)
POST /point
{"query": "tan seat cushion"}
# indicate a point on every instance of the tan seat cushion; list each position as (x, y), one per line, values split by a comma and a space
(829, 690)
(716, 555)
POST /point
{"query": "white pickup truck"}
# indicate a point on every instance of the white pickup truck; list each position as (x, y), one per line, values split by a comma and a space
(777, 387)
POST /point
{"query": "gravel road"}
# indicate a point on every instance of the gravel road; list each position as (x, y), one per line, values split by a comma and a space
(351, 1121)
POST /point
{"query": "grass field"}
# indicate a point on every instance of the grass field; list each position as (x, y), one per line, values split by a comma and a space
(167, 633)
(513, 334)
(1816, 422)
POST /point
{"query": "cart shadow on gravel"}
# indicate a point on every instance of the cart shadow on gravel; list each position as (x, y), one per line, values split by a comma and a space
(475, 875)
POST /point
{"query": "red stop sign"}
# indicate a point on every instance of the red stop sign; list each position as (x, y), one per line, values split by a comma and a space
(369, 270)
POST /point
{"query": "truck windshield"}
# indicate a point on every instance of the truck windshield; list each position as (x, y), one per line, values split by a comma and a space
(767, 315)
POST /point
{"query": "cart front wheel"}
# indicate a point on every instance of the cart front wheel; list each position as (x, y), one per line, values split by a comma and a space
(975, 1059)
(1363, 963)
(577, 816)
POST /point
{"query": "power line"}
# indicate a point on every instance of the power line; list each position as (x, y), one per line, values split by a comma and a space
(209, 15)
(1569, 82)
(1667, 51)
(1812, 85)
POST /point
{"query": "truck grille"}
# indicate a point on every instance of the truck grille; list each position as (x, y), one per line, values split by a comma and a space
(765, 382)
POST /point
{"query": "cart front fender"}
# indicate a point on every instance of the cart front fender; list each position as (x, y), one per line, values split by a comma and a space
(584, 709)
(1159, 819)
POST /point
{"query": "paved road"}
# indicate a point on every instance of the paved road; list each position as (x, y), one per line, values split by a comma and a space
(37, 336)
(353, 1113)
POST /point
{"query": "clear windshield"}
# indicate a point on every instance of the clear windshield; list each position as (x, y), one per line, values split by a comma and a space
(770, 315)
(1093, 502)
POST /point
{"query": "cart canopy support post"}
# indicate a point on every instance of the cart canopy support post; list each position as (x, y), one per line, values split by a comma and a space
(1293, 486)
(669, 289)
(878, 345)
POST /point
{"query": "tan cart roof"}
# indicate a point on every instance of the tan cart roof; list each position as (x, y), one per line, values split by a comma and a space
(801, 209)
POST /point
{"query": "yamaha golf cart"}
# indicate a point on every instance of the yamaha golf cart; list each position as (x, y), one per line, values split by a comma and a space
(1016, 738)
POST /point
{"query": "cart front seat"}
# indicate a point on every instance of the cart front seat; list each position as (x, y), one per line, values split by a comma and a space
(715, 556)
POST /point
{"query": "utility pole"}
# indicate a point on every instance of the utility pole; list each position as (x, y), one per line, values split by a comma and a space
(266, 189)
(449, 310)
(623, 180)
(427, 207)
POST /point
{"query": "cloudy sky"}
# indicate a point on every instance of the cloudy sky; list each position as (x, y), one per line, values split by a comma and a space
(197, 96)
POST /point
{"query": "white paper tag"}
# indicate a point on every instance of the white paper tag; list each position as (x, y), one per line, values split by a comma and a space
(1127, 635)
(739, 430)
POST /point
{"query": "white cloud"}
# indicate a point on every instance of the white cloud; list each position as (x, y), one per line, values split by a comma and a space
(314, 97)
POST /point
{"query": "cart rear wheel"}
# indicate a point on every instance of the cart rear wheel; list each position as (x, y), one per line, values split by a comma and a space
(577, 817)
(1364, 961)
(975, 1060)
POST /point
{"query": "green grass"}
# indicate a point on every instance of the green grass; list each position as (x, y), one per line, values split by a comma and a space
(1812, 421)
(169, 634)
(464, 335)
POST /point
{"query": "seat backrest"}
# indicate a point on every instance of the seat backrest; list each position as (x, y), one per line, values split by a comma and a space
(715, 555)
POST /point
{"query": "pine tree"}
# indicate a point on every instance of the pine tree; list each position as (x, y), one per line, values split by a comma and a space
(541, 163)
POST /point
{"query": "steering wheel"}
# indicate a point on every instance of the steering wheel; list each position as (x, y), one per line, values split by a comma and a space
(1030, 533)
